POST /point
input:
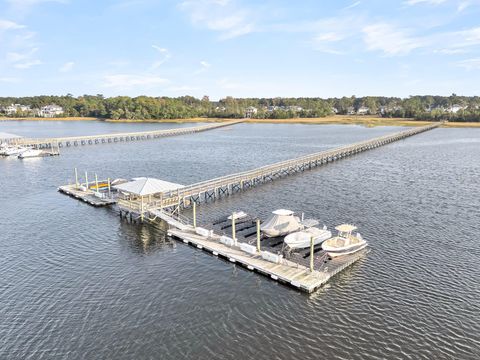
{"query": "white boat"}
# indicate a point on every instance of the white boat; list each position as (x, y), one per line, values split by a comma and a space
(344, 243)
(31, 153)
(281, 223)
(302, 239)
(14, 150)
(238, 215)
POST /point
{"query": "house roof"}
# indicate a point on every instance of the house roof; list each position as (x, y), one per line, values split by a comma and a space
(147, 186)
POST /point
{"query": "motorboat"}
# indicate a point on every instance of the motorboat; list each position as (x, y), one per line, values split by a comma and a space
(303, 239)
(238, 215)
(281, 223)
(345, 242)
(30, 153)
(14, 150)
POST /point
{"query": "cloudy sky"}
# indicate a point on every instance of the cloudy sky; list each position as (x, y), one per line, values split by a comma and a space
(254, 48)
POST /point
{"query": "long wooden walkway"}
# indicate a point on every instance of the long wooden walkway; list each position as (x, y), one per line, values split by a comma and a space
(210, 190)
(117, 137)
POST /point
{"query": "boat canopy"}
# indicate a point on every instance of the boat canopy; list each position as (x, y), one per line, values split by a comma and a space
(283, 212)
(282, 222)
(346, 228)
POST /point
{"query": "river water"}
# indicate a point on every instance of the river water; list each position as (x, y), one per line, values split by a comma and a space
(77, 283)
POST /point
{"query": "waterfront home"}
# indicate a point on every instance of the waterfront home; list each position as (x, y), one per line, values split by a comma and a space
(15, 108)
(50, 111)
(250, 111)
(363, 110)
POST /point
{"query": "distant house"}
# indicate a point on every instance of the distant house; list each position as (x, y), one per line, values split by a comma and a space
(363, 110)
(334, 110)
(220, 108)
(351, 110)
(50, 111)
(15, 108)
(250, 111)
(455, 108)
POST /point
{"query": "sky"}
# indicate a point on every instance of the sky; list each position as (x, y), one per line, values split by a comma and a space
(240, 48)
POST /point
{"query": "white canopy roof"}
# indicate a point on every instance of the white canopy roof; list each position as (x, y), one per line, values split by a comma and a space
(147, 186)
(346, 228)
(283, 212)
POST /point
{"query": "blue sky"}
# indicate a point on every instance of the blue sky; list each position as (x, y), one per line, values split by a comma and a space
(239, 48)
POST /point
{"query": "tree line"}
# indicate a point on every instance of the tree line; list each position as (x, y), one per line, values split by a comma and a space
(453, 108)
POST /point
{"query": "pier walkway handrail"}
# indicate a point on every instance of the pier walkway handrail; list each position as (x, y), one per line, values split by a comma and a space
(311, 160)
(125, 136)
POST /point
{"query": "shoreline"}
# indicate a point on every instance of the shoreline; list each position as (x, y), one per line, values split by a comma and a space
(368, 121)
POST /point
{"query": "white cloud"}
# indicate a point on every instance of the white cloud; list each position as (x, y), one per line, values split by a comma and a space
(429, 2)
(16, 56)
(165, 55)
(470, 64)
(9, 25)
(205, 64)
(351, 6)
(126, 81)
(27, 64)
(68, 66)
(392, 41)
(222, 16)
(9, 80)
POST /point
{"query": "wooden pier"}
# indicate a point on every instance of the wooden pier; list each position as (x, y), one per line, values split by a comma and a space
(115, 137)
(211, 190)
(87, 195)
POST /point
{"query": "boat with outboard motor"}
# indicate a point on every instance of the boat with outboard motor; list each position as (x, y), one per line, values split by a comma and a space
(30, 153)
(303, 239)
(344, 243)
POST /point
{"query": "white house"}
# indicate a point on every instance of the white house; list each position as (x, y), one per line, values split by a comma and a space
(455, 108)
(14, 108)
(250, 111)
(50, 111)
(363, 110)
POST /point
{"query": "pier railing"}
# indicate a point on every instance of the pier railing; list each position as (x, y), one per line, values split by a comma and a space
(225, 185)
(117, 137)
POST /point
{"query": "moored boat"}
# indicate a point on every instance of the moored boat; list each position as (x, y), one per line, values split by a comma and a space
(14, 150)
(344, 243)
(281, 223)
(30, 153)
(302, 239)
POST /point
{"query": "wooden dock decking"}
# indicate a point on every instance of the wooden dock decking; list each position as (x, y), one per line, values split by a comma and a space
(87, 196)
(116, 137)
(286, 272)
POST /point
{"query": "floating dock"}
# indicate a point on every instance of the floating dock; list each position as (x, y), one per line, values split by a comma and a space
(284, 271)
(87, 195)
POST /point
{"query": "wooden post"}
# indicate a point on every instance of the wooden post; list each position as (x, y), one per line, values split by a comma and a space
(76, 178)
(141, 208)
(258, 235)
(86, 179)
(311, 253)
(233, 230)
(194, 215)
(96, 181)
(109, 189)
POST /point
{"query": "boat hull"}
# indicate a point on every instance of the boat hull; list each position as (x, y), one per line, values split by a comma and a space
(302, 240)
(332, 252)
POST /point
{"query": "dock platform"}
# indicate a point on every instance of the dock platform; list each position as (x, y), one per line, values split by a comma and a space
(285, 272)
(87, 196)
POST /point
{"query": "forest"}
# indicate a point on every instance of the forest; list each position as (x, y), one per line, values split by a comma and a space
(452, 108)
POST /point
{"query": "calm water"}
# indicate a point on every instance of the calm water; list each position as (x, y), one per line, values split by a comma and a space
(78, 283)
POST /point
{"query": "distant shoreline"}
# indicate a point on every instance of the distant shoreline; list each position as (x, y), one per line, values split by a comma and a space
(368, 121)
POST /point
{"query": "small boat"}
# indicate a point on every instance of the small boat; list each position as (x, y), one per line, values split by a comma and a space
(14, 150)
(282, 222)
(30, 153)
(302, 239)
(238, 215)
(344, 243)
